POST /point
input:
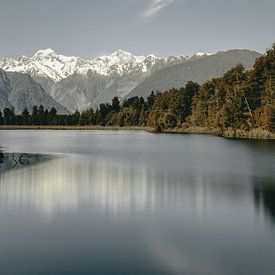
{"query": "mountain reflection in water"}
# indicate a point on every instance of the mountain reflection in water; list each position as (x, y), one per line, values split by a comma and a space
(115, 187)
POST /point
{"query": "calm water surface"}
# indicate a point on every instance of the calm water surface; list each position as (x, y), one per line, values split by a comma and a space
(103, 202)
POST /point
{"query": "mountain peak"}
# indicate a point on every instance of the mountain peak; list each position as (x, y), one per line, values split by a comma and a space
(48, 64)
(121, 52)
(46, 52)
(202, 54)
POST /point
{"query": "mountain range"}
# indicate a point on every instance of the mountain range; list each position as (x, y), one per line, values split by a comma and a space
(70, 83)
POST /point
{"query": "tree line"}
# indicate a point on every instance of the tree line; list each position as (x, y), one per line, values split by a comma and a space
(239, 100)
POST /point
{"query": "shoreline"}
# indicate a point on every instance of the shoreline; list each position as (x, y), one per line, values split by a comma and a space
(74, 128)
(255, 134)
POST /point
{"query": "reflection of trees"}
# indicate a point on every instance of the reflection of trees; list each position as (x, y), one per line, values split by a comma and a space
(264, 195)
(24, 159)
(1, 157)
(16, 160)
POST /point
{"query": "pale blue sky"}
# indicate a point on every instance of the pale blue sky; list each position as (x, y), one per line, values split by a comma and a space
(89, 28)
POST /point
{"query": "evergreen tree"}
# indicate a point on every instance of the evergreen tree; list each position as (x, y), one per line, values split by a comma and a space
(26, 118)
(116, 104)
(1, 118)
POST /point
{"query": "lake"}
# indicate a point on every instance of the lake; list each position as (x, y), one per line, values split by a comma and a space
(130, 202)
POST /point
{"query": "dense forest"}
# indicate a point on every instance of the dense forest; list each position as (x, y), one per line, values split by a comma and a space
(239, 101)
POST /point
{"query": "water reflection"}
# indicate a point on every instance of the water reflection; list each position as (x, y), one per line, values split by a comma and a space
(131, 204)
(117, 187)
(264, 194)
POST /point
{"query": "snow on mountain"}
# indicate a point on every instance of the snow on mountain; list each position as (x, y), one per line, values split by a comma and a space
(48, 64)
(45, 63)
(202, 54)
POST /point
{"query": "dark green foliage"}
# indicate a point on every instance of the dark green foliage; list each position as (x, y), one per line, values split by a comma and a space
(115, 104)
(26, 118)
(1, 118)
(9, 116)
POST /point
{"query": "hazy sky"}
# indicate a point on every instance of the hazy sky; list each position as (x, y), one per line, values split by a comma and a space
(163, 27)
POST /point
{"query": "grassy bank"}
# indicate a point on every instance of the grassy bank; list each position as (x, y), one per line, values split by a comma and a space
(256, 133)
(194, 130)
(229, 133)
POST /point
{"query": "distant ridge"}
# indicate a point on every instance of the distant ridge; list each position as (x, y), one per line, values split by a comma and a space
(198, 70)
(47, 63)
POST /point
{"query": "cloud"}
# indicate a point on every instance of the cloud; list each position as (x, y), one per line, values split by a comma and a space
(155, 6)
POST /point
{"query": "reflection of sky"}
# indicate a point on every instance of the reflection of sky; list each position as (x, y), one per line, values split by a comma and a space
(159, 203)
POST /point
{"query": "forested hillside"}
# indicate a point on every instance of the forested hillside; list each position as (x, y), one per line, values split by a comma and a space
(233, 105)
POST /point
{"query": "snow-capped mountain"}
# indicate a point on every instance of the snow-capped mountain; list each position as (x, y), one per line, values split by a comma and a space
(45, 63)
(48, 64)
(78, 83)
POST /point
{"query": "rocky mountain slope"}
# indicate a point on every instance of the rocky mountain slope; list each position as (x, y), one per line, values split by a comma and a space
(198, 70)
(19, 90)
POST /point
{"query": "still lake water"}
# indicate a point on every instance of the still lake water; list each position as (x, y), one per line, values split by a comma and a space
(129, 202)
